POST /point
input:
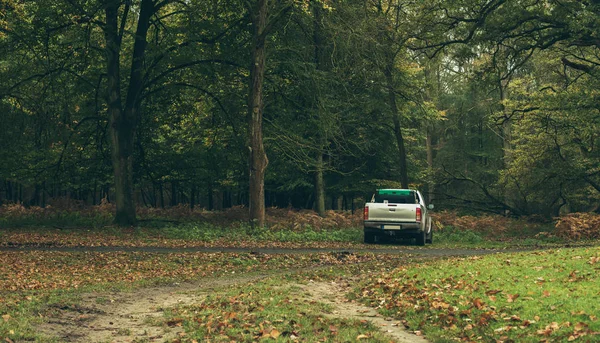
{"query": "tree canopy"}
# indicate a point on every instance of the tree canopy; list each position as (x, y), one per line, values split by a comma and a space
(485, 105)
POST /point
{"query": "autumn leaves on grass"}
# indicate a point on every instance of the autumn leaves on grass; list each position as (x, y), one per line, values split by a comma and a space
(530, 297)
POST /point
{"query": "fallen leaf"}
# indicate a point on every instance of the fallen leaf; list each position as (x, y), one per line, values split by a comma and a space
(361, 336)
(274, 333)
(6, 317)
(174, 322)
(511, 297)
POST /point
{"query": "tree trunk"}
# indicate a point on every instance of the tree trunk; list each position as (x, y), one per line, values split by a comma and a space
(509, 198)
(192, 197)
(123, 119)
(173, 193)
(397, 126)
(431, 184)
(257, 157)
(319, 60)
(339, 203)
(121, 130)
(319, 187)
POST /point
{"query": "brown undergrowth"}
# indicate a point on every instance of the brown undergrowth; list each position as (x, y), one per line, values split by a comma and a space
(277, 218)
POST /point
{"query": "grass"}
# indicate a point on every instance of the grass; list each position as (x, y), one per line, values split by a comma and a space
(549, 295)
(267, 310)
(185, 234)
(451, 237)
(205, 234)
(243, 232)
(34, 284)
(92, 226)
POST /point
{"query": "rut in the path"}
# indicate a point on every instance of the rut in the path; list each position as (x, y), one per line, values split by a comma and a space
(135, 316)
(332, 293)
(120, 317)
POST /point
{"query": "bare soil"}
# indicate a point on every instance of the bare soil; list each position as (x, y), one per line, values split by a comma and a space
(129, 316)
(134, 316)
(333, 293)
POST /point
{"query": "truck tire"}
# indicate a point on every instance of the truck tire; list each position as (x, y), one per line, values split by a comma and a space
(369, 237)
(430, 239)
(430, 236)
(421, 238)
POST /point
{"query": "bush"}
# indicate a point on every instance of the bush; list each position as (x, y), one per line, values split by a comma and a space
(576, 226)
(451, 234)
(486, 224)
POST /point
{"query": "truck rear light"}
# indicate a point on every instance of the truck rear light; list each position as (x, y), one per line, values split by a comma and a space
(366, 213)
(418, 215)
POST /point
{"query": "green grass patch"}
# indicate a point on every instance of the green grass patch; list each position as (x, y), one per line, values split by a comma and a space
(549, 295)
(185, 234)
(267, 311)
(243, 232)
(536, 236)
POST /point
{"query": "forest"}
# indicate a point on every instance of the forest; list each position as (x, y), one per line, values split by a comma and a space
(484, 105)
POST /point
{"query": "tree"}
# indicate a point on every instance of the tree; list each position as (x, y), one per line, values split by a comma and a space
(257, 158)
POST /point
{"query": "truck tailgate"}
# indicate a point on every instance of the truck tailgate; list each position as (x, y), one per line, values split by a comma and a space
(392, 212)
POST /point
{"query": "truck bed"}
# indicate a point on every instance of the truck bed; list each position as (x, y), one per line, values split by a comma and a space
(397, 213)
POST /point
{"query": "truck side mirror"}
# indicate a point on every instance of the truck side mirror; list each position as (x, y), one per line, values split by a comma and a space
(430, 206)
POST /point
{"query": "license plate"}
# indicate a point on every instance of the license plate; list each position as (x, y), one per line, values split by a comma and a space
(392, 227)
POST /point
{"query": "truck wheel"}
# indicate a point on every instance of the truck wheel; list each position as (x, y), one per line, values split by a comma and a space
(369, 237)
(421, 238)
(430, 238)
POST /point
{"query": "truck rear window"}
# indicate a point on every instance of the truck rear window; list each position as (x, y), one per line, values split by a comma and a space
(409, 198)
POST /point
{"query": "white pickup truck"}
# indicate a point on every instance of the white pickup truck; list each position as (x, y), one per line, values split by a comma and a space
(397, 213)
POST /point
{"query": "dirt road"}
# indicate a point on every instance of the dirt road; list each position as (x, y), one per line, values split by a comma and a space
(134, 316)
(396, 250)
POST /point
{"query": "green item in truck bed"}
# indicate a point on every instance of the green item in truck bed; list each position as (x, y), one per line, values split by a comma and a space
(394, 191)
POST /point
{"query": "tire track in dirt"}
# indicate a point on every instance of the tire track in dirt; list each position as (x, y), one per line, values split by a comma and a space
(332, 293)
(262, 250)
(120, 317)
(128, 316)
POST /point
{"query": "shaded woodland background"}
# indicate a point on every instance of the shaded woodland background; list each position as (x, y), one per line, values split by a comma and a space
(489, 106)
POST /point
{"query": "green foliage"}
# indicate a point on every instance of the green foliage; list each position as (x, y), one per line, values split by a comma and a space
(506, 94)
(451, 235)
(244, 233)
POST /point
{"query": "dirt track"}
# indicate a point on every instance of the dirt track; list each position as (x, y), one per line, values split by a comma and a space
(396, 250)
(129, 316)
(132, 316)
